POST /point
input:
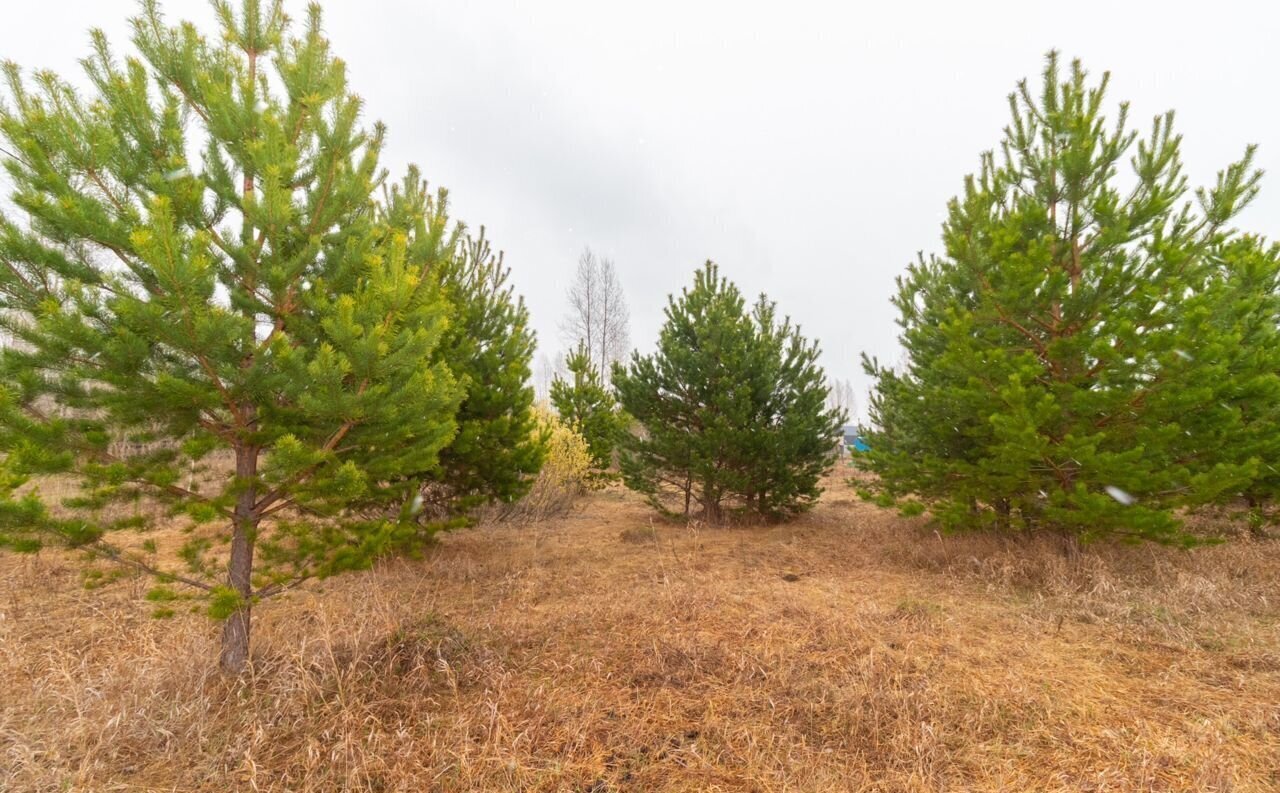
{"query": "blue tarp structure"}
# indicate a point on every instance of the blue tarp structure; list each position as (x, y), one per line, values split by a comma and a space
(853, 441)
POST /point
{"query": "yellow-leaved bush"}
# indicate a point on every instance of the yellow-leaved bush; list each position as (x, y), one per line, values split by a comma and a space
(565, 474)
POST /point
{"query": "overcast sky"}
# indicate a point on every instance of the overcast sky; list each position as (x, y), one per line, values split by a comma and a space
(809, 148)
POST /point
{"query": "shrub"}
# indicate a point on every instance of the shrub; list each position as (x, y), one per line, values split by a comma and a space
(565, 475)
(585, 404)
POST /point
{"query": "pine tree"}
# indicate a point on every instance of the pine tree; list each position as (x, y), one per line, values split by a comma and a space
(488, 346)
(731, 409)
(587, 407)
(196, 272)
(794, 434)
(499, 448)
(1053, 375)
(1240, 358)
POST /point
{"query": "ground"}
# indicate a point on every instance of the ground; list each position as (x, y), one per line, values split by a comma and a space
(852, 649)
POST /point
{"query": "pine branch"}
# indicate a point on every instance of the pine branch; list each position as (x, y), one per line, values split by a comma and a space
(102, 549)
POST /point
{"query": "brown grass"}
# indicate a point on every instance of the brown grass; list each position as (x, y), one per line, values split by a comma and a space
(851, 650)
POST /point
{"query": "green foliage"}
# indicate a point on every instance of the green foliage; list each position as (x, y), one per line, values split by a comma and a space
(731, 409)
(1065, 362)
(1242, 366)
(587, 406)
(94, 578)
(565, 474)
(223, 602)
(911, 509)
(217, 306)
(162, 594)
(488, 346)
(21, 519)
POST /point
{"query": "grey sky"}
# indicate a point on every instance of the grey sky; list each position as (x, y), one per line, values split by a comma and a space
(807, 147)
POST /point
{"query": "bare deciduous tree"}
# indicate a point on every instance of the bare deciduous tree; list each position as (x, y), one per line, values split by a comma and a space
(840, 394)
(545, 373)
(598, 316)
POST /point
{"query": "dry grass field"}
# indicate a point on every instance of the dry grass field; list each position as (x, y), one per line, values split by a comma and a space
(853, 650)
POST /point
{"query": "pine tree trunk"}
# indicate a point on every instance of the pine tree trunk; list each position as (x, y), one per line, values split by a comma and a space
(1257, 516)
(235, 631)
(1071, 546)
(711, 506)
(1002, 514)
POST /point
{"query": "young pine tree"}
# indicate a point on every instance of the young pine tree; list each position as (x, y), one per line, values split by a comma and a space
(1055, 374)
(488, 346)
(586, 406)
(195, 271)
(795, 431)
(731, 409)
(1240, 359)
